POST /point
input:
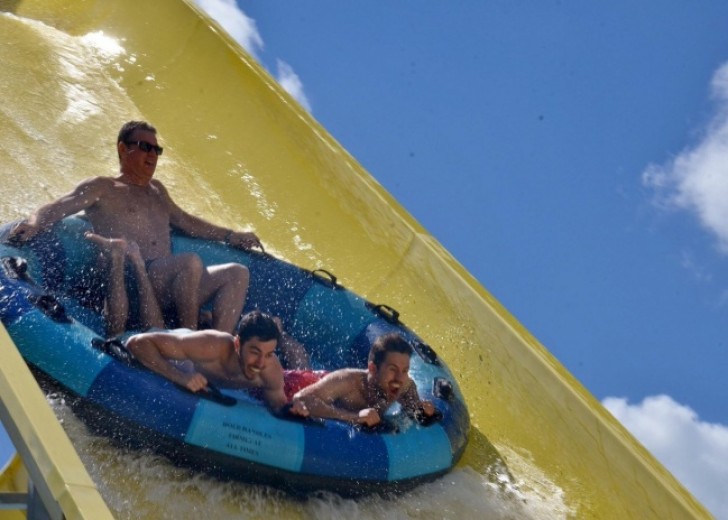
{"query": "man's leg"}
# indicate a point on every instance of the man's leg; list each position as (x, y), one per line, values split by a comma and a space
(176, 283)
(111, 260)
(150, 313)
(226, 286)
(293, 353)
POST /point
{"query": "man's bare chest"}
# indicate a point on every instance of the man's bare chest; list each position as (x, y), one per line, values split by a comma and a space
(139, 206)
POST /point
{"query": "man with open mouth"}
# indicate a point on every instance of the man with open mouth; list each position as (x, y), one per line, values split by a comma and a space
(361, 396)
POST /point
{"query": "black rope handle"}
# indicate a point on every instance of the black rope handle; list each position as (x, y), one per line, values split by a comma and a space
(325, 277)
(16, 268)
(388, 313)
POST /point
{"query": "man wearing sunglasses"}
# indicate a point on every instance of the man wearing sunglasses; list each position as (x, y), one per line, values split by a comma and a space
(137, 208)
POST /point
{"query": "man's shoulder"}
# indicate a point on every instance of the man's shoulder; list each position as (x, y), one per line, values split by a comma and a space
(348, 372)
(348, 376)
(206, 345)
(98, 183)
(207, 335)
(158, 185)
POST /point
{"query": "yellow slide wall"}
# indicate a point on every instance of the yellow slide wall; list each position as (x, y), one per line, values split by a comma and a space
(239, 151)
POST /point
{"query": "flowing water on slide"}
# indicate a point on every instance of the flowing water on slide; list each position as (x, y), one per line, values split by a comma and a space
(67, 128)
(137, 484)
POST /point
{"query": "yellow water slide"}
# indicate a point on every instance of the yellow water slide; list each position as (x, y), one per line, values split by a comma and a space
(239, 151)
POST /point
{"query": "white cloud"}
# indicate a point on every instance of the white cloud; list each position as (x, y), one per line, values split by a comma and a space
(239, 25)
(697, 179)
(244, 30)
(291, 83)
(696, 452)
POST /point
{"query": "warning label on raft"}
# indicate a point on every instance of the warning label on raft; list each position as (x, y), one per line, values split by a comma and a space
(244, 439)
(260, 438)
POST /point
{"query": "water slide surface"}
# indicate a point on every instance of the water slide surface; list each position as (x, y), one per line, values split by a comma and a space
(239, 151)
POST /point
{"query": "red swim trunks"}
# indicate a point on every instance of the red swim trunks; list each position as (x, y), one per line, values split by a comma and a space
(295, 380)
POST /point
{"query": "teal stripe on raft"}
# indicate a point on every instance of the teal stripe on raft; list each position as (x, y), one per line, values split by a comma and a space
(79, 252)
(422, 372)
(248, 431)
(58, 349)
(330, 320)
(419, 451)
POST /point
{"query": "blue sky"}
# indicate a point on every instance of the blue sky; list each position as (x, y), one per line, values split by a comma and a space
(573, 158)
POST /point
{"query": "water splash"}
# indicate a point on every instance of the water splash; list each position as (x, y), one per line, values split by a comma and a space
(139, 484)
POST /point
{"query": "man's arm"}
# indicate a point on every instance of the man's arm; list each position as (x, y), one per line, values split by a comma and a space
(275, 398)
(273, 391)
(155, 350)
(322, 398)
(199, 228)
(83, 196)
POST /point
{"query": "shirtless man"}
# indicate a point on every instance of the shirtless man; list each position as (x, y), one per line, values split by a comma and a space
(363, 395)
(138, 209)
(246, 360)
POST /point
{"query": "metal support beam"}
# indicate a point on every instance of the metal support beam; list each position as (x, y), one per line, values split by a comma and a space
(60, 487)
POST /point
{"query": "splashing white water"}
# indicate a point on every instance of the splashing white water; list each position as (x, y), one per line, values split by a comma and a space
(138, 484)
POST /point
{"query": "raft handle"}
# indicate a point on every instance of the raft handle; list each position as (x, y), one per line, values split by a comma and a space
(285, 413)
(325, 277)
(16, 268)
(427, 353)
(383, 426)
(388, 313)
(212, 393)
(50, 306)
(442, 388)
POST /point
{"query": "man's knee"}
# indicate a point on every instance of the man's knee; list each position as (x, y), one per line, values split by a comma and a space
(191, 265)
(237, 274)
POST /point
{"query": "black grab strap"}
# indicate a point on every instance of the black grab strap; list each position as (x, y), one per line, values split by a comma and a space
(115, 348)
(427, 420)
(16, 268)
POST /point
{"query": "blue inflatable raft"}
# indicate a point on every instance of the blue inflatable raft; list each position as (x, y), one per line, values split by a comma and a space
(43, 304)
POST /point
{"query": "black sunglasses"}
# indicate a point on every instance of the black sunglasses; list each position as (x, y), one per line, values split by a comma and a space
(146, 146)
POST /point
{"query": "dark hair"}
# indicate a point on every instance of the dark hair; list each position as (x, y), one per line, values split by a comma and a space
(130, 127)
(391, 342)
(257, 324)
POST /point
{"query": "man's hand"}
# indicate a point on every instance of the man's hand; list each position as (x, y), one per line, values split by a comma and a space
(426, 413)
(244, 240)
(298, 408)
(427, 408)
(195, 382)
(22, 232)
(369, 417)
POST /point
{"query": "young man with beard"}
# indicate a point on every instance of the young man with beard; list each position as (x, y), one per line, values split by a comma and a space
(363, 395)
(245, 360)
